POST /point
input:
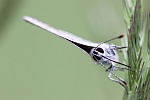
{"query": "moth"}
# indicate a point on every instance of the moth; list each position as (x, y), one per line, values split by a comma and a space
(102, 53)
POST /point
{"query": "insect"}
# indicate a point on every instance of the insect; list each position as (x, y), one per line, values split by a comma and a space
(102, 53)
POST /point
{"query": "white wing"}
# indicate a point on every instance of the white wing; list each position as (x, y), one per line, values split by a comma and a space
(61, 33)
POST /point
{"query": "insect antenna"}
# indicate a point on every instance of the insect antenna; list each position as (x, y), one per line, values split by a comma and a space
(118, 37)
(116, 61)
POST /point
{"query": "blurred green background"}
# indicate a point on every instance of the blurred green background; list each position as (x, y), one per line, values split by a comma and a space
(37, 65)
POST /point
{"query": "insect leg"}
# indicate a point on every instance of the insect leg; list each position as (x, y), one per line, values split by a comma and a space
(120, 80)
(118, 48)
(111, 69)
(111, 73)
(120, 68)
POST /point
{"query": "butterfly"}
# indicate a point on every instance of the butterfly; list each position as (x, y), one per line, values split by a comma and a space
(102, 53)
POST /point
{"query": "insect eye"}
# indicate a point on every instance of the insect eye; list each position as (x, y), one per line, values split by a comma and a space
(100, 50)
(97, 58)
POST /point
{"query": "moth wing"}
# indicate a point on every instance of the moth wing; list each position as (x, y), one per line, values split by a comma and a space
(66, 35)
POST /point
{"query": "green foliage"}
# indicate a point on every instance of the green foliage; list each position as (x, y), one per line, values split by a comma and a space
(138, 75)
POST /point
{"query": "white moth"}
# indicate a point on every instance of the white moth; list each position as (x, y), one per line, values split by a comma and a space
(102, 53)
